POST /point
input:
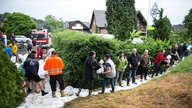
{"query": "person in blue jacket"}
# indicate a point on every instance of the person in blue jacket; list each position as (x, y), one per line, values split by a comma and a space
(9, 51)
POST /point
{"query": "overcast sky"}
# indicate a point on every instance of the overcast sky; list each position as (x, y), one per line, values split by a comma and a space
(70, 10)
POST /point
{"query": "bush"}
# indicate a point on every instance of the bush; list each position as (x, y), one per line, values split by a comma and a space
(154, 47)
(11, 94)
(73, 47)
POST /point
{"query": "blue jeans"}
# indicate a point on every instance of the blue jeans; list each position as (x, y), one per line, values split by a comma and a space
(105, 82)
(132, 73)
(156, 69)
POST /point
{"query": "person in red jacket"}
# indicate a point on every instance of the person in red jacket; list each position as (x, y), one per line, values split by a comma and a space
(54, 66)
(39, 52)
(157, 62)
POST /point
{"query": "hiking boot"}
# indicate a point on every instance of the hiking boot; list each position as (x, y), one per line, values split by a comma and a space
(62, 93)
(53, 94)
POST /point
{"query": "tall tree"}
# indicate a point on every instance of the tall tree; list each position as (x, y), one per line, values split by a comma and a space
(52, 23)
(18, 23)
(121, 18)
(188, 23)
(162, 27)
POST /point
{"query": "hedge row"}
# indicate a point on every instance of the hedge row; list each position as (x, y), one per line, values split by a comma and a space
(11, 82)
(73, 48)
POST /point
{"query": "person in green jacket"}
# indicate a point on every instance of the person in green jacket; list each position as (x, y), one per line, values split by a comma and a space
(121, 65)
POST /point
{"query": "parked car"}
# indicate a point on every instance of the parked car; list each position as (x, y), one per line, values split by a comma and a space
(21, 38)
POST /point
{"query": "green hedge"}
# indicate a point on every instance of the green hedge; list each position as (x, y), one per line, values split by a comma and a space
(11, 83)
(73, 48)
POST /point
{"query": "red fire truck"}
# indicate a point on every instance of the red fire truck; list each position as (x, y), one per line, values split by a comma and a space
(40, 36)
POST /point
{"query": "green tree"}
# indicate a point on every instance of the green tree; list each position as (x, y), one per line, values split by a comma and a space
(121, 18)
(11, 82)
(188, 23)
(52, 23)
(18, 23)
(162, 27)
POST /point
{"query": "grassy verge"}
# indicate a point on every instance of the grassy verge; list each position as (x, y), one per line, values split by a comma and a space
(184, 66)
(171, 91)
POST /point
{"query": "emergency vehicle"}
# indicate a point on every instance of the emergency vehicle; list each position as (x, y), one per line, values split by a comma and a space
(40, 36)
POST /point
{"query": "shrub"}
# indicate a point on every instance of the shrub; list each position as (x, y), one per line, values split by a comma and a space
(73, 48)
(11, 82)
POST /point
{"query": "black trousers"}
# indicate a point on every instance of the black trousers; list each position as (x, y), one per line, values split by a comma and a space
(90, 83)
(53, 80)
(144, 70)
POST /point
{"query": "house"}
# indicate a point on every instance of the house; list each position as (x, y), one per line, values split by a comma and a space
(77, 25)
(178, 27)
(98, 22)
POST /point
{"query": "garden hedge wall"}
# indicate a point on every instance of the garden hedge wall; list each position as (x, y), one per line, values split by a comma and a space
(73, 47)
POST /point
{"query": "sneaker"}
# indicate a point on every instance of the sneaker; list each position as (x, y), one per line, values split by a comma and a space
(111, 91)
(128, 85)
(29, 90)
(44, 93)
(135, 83)
(121, 86)
(100, 92)
(141, 80)
(146, 79)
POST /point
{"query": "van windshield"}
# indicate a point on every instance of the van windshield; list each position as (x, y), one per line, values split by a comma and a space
(39, 36)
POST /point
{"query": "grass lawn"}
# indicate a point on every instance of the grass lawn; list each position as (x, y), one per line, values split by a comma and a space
(173, 90)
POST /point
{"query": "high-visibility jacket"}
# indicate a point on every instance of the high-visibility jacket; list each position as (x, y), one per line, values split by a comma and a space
(14, 48)
(54, 65)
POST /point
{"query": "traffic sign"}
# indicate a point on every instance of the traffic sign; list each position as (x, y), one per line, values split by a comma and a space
(154, 11)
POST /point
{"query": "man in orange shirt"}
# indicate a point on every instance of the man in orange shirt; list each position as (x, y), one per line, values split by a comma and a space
(54, 66)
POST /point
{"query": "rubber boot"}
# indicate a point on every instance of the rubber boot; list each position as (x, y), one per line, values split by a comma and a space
(62, 93)
(53, 94)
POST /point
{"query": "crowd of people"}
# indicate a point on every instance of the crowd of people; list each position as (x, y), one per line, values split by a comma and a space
(112, 71)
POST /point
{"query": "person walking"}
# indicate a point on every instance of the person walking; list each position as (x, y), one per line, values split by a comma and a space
(134, 62)
(159, 58)
(89, 74)
(31, 67)
(145, 59)
(110, 73)
(121, 65)
(54, 66)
